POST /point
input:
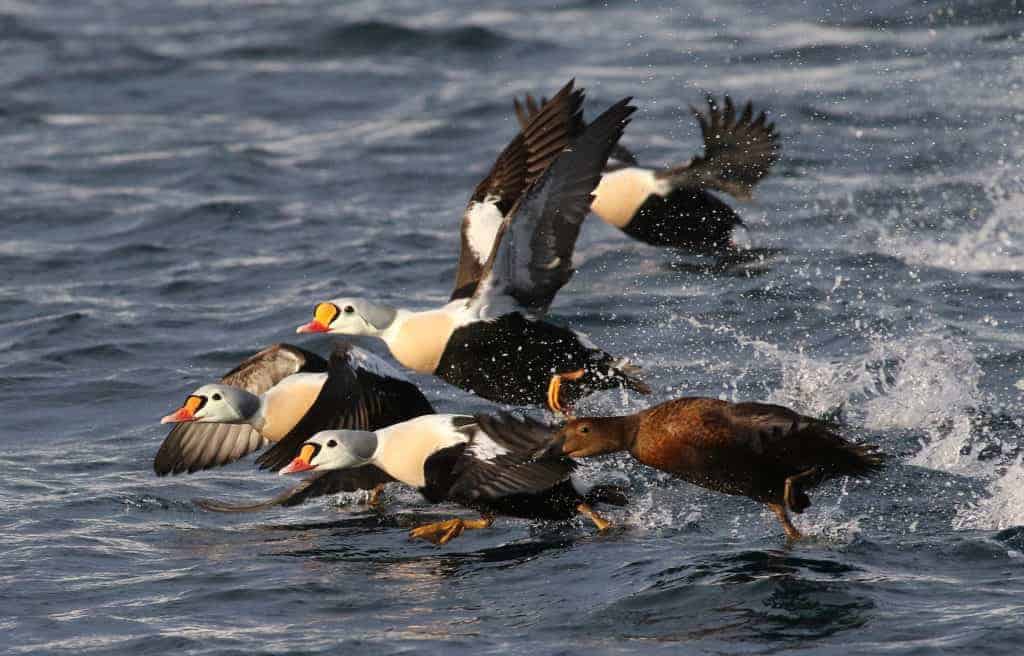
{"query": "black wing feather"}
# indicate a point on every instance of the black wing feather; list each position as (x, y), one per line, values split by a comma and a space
(525, 158)
(516, 472)
(532, 256)
(529, 108)
(738, 153)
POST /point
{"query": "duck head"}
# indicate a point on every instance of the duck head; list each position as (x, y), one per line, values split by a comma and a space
(334, 449)
(593, 436)
(216, 403)
(349, 316)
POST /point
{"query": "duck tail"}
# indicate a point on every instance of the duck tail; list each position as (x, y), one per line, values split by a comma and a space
(860, 460)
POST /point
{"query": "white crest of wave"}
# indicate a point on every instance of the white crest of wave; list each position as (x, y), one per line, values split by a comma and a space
(995, 245)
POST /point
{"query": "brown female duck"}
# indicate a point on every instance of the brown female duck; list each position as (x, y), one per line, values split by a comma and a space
(766, 452)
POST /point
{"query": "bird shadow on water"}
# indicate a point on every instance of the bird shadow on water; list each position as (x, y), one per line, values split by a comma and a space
(760, 596)
(379, 537)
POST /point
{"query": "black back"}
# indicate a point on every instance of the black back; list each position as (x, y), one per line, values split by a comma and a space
(689, 217)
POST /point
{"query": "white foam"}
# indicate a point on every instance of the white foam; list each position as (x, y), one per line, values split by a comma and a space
(995, 245)
(1003, 508)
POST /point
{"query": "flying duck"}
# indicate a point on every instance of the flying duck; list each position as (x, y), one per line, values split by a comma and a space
(766, 452)
(674, 206)
(525, 158)
(493, 343)
(282, 395)
(487, 463)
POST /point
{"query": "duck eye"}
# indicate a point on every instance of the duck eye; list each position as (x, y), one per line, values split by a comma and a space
(216, 397)
(331, 444)
(349, 309)
(584, 429)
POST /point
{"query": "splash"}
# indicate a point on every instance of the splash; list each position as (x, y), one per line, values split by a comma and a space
(995, 245)
(1003, 508)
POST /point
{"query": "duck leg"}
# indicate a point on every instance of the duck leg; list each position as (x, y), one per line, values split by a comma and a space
(446, 531)
(374, 500)
(555, 387)
(780, 511)
(601, 523)
(791, 490)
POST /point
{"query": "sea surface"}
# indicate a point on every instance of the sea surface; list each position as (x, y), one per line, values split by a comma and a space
(180, 181)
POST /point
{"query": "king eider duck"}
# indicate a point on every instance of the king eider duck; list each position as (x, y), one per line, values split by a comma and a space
(674, 206)
(487, 463)
(766, 452)
(283, 395)
(493, 344)
(525, 158)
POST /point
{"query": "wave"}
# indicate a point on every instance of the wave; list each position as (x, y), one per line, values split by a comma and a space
(378, 38)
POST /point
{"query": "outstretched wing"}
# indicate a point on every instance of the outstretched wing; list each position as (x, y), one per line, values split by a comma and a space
(532, 258)
(527, 156)
(360, 394)
(526, 110)
(191, 447)
(738, 151)
(318, 485)
(500, 459)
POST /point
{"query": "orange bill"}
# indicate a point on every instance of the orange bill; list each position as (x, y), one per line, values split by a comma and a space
(302, 462)
(186, 412)
(323, 315)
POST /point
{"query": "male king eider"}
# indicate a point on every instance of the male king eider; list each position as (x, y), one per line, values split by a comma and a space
(766, 452)
(487, 463)
(525, 158)
(673, 206)
(283, 395)
(493, 344)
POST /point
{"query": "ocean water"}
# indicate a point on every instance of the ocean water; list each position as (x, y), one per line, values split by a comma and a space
(180, 181)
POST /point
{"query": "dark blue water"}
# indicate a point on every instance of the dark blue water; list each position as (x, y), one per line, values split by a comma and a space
(179, 182)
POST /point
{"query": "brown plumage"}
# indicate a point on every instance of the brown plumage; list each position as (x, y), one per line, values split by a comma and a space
(766, 452)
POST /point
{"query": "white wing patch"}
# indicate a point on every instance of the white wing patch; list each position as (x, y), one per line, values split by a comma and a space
(483, 219)
(485, 448)
(362, 359)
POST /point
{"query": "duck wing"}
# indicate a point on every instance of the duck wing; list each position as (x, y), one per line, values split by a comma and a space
(797, 442)
(362, 392)
(191, 447)
(528, 108)
(525, 158)
(738, 151)
(532, 255)
(318, 485)
(500, 460)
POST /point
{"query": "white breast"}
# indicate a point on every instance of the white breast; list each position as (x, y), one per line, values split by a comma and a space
(403, 448)
(285, 404)
(621, 193)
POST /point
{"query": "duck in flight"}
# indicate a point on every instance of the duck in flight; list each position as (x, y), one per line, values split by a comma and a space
(765, 452)
(487, 463)
(281, 396)
(674, 206)
(493, 342)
